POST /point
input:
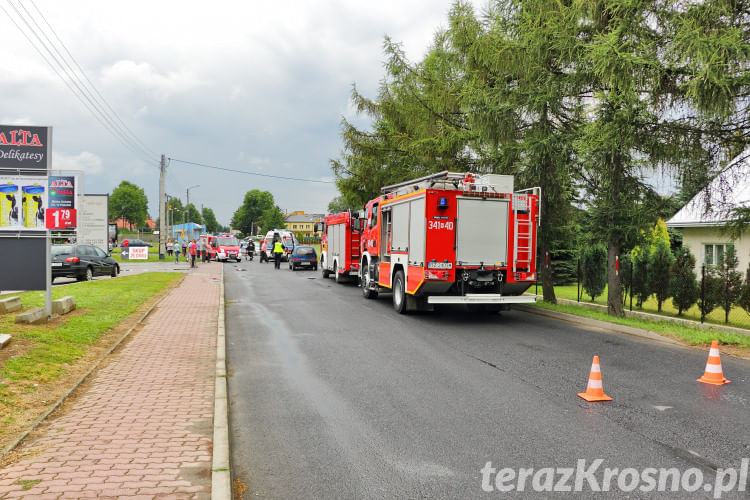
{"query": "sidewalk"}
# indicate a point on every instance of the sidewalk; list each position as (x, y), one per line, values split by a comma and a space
(143, 427)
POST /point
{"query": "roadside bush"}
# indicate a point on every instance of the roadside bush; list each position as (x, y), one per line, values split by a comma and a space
(594, 270)
(730, 288)
(684, 284)
(641, 287)
(659, 268)
(744, 300)
(709, 288)
(626, 271)
(564, 264)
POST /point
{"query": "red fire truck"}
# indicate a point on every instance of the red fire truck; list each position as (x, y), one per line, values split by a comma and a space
(451, 238)
(339, 246)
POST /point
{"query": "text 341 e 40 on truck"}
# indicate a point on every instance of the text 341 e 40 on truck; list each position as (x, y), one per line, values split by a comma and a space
(450, 238)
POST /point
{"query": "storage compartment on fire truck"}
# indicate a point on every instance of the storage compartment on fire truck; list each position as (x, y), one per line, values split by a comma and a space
(481, 232)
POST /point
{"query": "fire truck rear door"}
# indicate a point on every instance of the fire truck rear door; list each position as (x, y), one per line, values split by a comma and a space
(482, 231)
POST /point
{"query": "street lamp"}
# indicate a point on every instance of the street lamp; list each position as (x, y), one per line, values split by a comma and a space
(187, 195)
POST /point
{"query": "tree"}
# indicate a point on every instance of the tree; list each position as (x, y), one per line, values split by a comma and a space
(177, 215)
(730, 281)
(209, 220)
(659, 269)
(641, 287)
(129, 202)
(272, 218)
(709, 290)
(247, 218)
(626, 264)
(193, 215)
(744, 300)
(594, 270)
(685, 287)
(340, 204)
(518, 91)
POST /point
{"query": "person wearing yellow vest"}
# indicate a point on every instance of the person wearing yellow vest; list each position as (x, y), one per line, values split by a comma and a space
(278, 251)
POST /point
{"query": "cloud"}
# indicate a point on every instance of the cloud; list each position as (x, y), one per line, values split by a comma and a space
(89, 163)
(256, 86)
(143, 77)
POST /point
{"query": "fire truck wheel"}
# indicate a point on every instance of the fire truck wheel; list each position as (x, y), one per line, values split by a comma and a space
(323, 269)
(399, 292)
(364, 281)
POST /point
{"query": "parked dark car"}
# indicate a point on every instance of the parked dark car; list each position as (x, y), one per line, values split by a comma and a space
(82, 262)
(135, 242)
(303, 256)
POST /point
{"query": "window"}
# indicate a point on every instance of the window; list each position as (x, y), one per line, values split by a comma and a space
(294, 226)
(714, 253)
(374, 217)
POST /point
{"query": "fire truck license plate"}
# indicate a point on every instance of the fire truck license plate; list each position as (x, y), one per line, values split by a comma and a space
(440, 265)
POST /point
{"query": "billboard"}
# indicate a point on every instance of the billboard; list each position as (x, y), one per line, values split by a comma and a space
(93, 220)
(27, 150)
(25, 157)
(23, 200)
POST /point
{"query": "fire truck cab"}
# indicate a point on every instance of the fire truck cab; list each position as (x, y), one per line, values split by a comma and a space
(451, 238)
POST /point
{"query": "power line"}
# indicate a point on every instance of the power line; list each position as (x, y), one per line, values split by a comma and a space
(101, 97)
(251, 173)
(87, 102)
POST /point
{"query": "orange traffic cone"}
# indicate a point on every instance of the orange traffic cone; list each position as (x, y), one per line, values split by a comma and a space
(713, 374)
(595, 390)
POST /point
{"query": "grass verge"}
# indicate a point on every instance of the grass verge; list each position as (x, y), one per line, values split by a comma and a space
(42, 361)
(738, 317)
(691, 336)
(152, 257)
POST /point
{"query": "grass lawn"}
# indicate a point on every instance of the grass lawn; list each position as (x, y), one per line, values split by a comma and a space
(691, 336)
(153, 256)
(36, 366)
(737, 316)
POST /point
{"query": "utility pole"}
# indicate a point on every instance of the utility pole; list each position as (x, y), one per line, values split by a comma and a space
(162, 211)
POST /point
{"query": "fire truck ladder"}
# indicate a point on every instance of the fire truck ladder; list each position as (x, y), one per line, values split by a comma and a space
(424, 182)
(522, 229)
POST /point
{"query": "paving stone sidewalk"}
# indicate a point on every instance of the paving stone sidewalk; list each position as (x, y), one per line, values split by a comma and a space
(143, 428)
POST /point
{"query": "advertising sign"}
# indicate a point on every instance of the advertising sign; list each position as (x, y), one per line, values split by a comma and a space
(61, 218)
(138, 253)
(25, 148)
(61, 213)
(25, 158)
(62, 191)
(23, 200)
(93, 223)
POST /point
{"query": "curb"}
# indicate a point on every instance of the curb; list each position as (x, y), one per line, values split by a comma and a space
(604, 325)
(13, 445)
(221, 483)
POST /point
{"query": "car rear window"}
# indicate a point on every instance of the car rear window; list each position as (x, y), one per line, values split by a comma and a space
(62, 250)
(305, 251)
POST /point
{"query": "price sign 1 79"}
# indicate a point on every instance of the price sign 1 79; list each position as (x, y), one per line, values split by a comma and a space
(60, 218)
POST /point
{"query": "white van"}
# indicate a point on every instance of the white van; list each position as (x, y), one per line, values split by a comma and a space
(288, 240)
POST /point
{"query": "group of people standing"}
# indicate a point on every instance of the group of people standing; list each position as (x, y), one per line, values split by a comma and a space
(192, 250)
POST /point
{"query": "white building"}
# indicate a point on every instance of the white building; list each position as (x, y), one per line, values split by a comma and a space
(701, 228)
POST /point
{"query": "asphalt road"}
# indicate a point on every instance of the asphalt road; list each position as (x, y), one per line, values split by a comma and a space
(334, 396)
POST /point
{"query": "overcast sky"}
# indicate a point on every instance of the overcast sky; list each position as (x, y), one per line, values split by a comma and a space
(257, 86)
